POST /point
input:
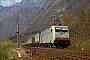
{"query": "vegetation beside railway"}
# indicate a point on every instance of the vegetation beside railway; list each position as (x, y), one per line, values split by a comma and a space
(79, 26)
(5, 48)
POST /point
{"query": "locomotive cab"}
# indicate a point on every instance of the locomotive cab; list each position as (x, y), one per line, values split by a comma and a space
(61, 36)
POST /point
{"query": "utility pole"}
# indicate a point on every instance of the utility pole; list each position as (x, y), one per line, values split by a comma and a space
(17, 32)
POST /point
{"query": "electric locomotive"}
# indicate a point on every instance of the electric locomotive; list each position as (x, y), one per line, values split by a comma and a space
(57, 36)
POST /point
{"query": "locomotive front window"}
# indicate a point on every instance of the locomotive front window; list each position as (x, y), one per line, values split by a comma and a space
(57, 30)
(61, 30)
(64, 30)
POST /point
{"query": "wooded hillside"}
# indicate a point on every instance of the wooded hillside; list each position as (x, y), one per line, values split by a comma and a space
(79, 26)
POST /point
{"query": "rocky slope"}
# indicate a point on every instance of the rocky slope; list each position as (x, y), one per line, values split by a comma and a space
(8, 15)
(26, 12)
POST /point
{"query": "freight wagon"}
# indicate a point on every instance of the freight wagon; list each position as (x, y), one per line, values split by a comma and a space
(32, 41)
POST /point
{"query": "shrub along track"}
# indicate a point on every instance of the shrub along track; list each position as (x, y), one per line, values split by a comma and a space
(50, 53)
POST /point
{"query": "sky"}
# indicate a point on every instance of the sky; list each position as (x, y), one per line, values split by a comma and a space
(9, 2)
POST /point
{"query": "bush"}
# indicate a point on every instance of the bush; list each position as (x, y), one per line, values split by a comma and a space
(3, 55)
(88, 46)
(6, 44)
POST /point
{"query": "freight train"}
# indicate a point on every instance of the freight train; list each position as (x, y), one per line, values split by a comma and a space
(55, 36)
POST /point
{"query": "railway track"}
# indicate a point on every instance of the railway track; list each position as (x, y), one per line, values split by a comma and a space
(52, 52)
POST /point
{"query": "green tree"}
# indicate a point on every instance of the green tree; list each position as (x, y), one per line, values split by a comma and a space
(79, 27)
(6, 43)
